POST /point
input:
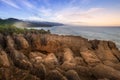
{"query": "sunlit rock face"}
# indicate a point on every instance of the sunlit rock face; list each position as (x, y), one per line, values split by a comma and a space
(33, 56)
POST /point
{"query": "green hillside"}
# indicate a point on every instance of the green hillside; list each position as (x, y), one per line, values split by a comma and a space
(9, 29)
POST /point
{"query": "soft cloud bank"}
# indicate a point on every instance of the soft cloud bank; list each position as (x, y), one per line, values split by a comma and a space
(77, 12)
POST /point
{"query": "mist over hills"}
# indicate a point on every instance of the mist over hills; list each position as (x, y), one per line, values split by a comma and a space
(26, 23)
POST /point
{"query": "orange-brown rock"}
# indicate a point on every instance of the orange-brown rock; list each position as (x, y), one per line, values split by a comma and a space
(51, 61)
(90, 58)
(72, 75)
(34, 56)
(103, 71)
(103, 79)
(79, 61)
(68, 55)
(104, 51)
(55, 75)
(111, 64)
(21, 42)
(4, 61)
(68, 66)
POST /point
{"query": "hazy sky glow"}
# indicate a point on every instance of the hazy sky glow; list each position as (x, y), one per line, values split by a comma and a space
(78, 12)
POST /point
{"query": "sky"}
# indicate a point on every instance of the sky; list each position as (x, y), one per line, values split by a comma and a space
(75, 12)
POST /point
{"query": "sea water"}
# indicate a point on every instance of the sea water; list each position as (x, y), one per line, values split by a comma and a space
(101, 33)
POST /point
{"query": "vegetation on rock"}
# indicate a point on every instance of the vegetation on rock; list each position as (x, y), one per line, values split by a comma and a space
(10, 29)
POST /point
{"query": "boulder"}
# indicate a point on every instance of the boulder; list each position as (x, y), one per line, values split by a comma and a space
(35, 42)
(116, 53)
(105, 53)
(111, 45)
(60, 70)
(4, 61)
(90, 58)
(21, 42)
(20, 60)
(68, 55)
(55, 75)
(36, 57)
(103, 71)
(72, 75)
(67, 66)
(5, 73)
(80, 61)
(50, 60)
(113, 65)
(10, 42)
(83, 71)
(21, 74)
(39, 70)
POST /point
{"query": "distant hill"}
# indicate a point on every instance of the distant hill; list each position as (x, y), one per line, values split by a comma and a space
(9, 21)
(21, 23)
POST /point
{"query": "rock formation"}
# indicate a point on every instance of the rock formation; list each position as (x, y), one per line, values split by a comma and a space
(33, 56)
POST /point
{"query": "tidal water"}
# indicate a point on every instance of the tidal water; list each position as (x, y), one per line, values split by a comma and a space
(101, 33)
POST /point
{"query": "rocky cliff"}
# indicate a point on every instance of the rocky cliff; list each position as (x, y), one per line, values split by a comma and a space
(33, 56)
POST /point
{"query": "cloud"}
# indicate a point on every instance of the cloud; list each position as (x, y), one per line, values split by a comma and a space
(95, 10)
(76, 15)
(28, 4)
(11, 3)
(78, 2)
(66, 15)
(45, 11)
(70, 15)
(35, 18)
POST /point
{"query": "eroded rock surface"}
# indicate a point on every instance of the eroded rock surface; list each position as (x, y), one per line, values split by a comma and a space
(33, 56)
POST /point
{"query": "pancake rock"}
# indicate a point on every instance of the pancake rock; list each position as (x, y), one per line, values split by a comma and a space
(35, 56)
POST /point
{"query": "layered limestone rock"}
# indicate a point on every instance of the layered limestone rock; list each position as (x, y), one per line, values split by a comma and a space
(103, 71)
(72, 75)
(34, 56)
(90, 58)
(21, 42)
(104, 50)
(4, 61)
(55, 75)
(51, 61)
(68, 55)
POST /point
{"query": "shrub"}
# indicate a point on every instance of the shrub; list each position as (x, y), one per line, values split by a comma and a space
(10, 29)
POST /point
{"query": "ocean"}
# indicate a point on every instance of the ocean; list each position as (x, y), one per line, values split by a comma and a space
(100, 33)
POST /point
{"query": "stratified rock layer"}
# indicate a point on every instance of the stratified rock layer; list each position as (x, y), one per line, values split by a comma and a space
(33, 56)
